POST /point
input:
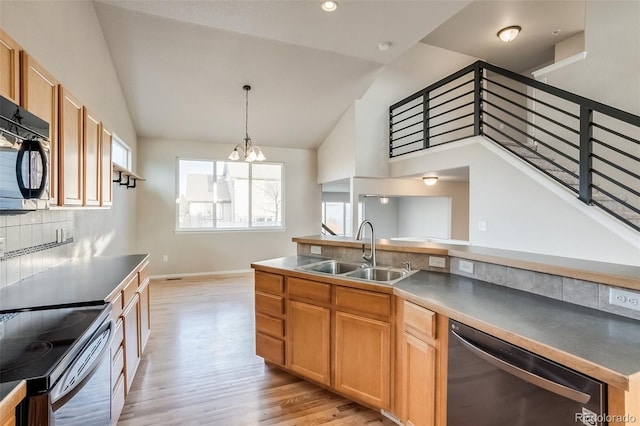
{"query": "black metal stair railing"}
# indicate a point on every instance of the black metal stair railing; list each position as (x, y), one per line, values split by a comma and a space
(590, 148)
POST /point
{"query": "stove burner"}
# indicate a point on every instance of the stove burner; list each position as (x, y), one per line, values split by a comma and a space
(16, 354)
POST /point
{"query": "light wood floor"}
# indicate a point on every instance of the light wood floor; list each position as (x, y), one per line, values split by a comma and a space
(200, 367)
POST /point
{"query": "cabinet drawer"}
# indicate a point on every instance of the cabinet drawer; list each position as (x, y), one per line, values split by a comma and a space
(143, 274)
(309, 290)
(129, 290)
(270, 348)
(118, 336)
(367, 303)
(419, 321)
(269, 283)
(269, 304)
(117, 367)
(270, 325)
(117, 399)
(116, 307)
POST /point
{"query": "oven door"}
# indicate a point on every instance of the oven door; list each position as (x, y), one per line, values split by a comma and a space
(82, 396)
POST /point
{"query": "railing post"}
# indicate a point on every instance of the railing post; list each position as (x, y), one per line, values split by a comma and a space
(586, 161)
(425, 120)
(390, 133)
(477, 99)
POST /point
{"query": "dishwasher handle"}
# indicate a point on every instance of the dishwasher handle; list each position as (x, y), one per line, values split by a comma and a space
(516, 371)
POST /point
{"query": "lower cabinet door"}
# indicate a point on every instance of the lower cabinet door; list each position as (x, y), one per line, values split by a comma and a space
(420, 371)
(309, 336)
(132, 353)
(145, 320)
(363, 359)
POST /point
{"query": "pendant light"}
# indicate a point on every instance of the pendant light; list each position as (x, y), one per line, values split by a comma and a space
(250, 152)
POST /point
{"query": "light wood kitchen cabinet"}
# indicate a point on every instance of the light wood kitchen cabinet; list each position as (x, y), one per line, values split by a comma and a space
(417, 362)
(92, 134)
(9, 68)
(270, 321)
(145, 314)
(71, 184)
(309, 329)
(106, 173)
(39, 95)
(363, 359)
(132, 353)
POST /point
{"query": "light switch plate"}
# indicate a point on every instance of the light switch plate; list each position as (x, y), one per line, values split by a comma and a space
(437, 262)
(316, 249)
(466, 266)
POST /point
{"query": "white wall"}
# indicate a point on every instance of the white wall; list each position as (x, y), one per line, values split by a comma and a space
(337, 155)
(383, 216)
(219, 251)
(424, 217)
(611, 71)
(524, 210)
(65, 37)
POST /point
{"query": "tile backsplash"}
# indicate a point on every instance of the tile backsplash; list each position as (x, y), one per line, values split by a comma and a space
(34, 242)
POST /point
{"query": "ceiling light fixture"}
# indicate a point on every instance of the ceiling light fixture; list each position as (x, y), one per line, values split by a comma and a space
(384, 46)
(329, 5)
(249, 152)
(509, 33)
(430, 180)
(384, 200)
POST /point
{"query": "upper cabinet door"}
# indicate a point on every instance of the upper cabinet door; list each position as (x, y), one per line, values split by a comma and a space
(39, 95)
(71, 189)
(92, 135)
(9, 68)
(106, 173)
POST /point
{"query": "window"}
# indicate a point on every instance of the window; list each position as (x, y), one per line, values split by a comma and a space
(120, 153)
(228, 195)
(337, 216)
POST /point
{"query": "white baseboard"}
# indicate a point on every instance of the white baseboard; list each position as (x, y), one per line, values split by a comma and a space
(201, 274)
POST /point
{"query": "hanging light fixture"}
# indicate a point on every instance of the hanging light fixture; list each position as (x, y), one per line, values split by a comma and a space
(250, 152)
(509, 33)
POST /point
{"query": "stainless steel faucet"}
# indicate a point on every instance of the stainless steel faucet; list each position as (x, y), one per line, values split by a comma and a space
(372, 255)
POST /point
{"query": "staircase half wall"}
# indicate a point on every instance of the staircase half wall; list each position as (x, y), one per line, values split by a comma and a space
(524, 210)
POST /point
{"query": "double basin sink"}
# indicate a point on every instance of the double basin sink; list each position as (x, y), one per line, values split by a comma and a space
(358, 271)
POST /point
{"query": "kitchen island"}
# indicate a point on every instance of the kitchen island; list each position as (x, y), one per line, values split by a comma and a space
(596, 343)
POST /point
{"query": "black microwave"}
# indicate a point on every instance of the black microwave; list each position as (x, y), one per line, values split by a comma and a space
(24, 160)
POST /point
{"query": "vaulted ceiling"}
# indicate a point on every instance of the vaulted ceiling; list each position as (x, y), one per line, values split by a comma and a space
(182, 64)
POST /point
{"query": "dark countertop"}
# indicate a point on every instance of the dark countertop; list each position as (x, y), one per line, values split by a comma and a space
(79, 282)
(600, 344)
(8, 387)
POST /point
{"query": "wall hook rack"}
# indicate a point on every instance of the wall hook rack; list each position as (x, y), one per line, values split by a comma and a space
(125, 177)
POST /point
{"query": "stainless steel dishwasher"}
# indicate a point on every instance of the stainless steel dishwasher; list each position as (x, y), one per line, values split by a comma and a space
(494, 383)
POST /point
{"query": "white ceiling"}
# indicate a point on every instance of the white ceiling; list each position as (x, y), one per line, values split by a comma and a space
(473, 31)
(182, 64)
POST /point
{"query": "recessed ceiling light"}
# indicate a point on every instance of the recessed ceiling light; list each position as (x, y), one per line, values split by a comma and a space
(384, 46)
(329, 5)
(509, 33)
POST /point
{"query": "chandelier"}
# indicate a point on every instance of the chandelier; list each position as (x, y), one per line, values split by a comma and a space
(250, 152)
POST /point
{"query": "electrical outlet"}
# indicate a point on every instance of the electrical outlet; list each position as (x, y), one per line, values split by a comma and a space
(625, 298)
(466, 266)
(437, 262)
(165, 257)
(316, 249)
(1, 246)
(482, 226)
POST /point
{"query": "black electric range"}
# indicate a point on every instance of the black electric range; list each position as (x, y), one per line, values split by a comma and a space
(36, 345)
(59, 352)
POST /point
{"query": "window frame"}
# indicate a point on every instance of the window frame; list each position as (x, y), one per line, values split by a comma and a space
(250, 227)
(117, 140)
